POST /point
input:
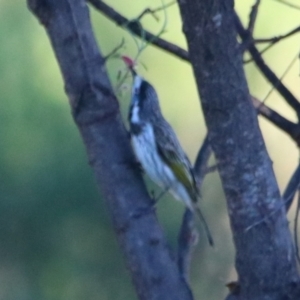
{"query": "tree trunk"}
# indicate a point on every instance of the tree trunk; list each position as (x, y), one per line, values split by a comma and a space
(265, 256)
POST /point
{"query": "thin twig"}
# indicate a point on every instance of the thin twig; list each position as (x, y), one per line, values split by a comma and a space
(278, 38)
(155, 10)
(135, 27)
(250, 60)
(282, 76)
(145, 42)
(253, 16)
(288, 4)
(115, 50)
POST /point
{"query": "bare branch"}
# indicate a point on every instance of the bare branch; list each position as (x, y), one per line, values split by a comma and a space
(276, 39)
(115, 50)
(154, 10)
(268, 73)
(247, 61)
(136, 28)
(288, 4)
(253, 16)
(292, 129)
(273, 41)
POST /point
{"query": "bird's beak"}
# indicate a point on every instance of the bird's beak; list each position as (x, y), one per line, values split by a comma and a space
(133, 72)
(130, 65)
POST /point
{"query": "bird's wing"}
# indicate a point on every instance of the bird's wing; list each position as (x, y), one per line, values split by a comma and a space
(173, 155)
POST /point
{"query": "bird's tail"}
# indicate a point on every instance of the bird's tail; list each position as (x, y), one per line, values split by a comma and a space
(206, 228)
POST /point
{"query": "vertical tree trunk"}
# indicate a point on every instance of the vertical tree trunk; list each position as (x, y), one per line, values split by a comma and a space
(265, 258)
(95, 109)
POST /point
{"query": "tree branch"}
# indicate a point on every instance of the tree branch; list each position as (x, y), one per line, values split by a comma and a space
(114, 51)
(276, 39)
(292, 129)
(268, 73)
(154, 10)
(136, 28)
(272, 42)
(289, 4)
(96, 113)
(253, 16)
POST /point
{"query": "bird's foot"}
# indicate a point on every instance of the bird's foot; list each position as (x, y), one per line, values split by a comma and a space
(141, 211)
(160, 195)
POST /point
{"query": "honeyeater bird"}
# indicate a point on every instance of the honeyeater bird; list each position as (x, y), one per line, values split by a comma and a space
(157, 148)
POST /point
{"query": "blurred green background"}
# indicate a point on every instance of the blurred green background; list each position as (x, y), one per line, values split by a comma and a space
(56, 240)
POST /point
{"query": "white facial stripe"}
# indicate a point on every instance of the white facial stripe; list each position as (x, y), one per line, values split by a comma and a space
(135, 117)
(136, 84)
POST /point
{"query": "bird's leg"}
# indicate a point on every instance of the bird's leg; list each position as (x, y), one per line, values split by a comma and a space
(160, 195)
(146, 210)
(141, 211)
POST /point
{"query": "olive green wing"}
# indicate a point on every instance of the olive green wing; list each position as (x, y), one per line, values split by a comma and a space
(173, 155)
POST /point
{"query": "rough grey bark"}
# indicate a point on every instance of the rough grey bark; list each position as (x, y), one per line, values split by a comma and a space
(96, 112)
(265, 258)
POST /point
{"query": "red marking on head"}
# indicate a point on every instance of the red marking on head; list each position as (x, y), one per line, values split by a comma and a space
(128, 61)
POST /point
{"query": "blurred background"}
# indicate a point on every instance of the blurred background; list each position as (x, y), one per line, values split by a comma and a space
(56, 239)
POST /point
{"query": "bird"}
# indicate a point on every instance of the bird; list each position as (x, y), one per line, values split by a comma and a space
(157, 147)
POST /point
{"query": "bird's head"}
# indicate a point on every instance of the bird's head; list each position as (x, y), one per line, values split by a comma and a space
(144, 96)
